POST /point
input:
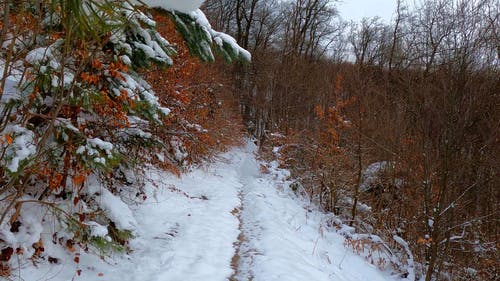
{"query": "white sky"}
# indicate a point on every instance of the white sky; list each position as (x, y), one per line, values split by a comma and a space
(357, 9)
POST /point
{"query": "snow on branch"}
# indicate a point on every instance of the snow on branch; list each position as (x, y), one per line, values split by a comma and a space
(184, 6)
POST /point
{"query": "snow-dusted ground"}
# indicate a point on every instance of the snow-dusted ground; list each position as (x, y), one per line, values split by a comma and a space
(223, 222)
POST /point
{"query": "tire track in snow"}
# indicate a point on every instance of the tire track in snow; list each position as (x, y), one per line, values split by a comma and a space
(223, 222)
(242, 259)
(236, 260)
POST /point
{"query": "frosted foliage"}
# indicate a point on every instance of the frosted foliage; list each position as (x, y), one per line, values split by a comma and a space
(113, 206)
(116, 210)
(184, 6)
(21, 147)
(218, 37)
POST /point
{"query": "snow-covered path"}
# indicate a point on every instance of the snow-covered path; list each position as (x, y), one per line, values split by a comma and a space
(223, 222)
(285, 239)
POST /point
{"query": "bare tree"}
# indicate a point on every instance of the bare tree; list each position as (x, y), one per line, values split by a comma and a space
(365, 40)
(308, 29)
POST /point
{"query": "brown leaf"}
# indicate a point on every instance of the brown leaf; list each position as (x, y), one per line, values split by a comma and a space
(19, 251)
(14, 226)
(4, 270)
(70, 245)
(6, 254)
(78, 180)
(9, 139)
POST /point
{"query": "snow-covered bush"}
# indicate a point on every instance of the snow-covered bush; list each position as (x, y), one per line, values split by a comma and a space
(73, 107)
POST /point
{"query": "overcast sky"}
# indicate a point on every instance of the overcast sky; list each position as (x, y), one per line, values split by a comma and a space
(357, 9)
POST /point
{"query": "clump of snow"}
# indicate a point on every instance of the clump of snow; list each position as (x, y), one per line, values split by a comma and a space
(184, 6)
(371, 175)
(102, 145)
(126, 60)
(165, 111)
(93, 149)
(135, 132)
(93, 144)
(430, 223)
(29, 231)
(179, 151)
(18, 42)
(471, 273)
(66, 123)
(410, 263)
(21, 148)
(150, 42)
(38, 55)
(139, 89)
(68, 79)
(98, 230)
(219, 38)
(10, 91)
(45, 55)
(114, 207)
(100, 160)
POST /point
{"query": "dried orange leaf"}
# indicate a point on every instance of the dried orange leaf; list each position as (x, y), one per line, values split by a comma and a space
(78, 180)
(9, 139)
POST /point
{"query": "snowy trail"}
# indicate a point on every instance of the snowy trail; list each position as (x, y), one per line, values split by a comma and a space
(285, 239)
(224, 222)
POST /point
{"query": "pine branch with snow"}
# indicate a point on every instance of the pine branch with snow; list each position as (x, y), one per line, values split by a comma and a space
(73, 107)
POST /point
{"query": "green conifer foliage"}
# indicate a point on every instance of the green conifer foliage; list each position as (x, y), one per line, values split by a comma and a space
(73, 106)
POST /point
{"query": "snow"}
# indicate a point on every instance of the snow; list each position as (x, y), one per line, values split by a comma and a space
(126, 60)
(226, 221)
(191, 8)
(289, 240)
(10, 91)
(98, 230)
(68, 79)
(113, 206)
(371, 175)
(100, 160)
(94, 147)
(38, 55)
(22, 147)
(178, 148)
(218, 37)
(165, 111)
(103, 145)
(66, 123)
(184, 6)
(29, 231)
(42, 55)
(411, 262)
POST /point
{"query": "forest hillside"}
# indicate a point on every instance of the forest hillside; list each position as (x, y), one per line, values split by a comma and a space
(391, 125)
(248, 140)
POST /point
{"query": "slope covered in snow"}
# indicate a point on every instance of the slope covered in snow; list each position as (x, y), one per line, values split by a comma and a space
(227, 221)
